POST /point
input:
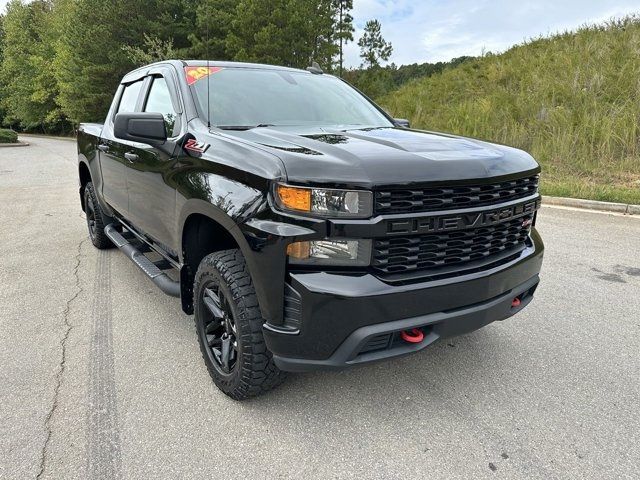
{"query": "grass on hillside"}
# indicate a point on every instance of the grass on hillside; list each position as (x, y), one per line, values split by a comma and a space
(571, 100)
(8, 136)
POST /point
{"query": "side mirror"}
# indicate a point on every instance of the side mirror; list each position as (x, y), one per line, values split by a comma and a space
(141, 127)
(402, 122)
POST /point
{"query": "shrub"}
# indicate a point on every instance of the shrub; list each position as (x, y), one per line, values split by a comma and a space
(8, 136)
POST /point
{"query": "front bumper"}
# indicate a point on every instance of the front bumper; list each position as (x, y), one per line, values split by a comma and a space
(347, 320)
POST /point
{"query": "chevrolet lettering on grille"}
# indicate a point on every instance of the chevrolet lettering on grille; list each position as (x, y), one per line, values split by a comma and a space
(445, 223)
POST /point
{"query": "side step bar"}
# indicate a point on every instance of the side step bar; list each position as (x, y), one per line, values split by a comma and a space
(157, 276)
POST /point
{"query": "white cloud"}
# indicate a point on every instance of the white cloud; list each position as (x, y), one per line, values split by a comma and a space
(434, 30)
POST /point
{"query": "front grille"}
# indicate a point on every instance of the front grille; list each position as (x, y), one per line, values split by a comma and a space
(452, 197)
(437, 253)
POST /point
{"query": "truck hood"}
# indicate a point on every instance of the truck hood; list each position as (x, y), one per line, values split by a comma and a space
(383, 156)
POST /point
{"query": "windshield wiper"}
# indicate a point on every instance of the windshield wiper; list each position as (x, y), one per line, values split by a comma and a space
(244, 127)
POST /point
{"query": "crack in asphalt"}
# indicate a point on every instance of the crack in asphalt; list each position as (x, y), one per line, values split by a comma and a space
(61, 367)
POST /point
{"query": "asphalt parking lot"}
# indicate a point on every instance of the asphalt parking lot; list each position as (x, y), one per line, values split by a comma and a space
(101, 375)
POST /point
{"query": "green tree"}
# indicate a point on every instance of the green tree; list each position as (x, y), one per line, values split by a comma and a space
(374, 82)
(167, 34)
(2, 94)
(373, 47)
(29, 87)
(99, 42)
(343, 30)
(212, 27)
(90, 59)
(172, 22)
(152, 50)
(322, 33)
(283, 32)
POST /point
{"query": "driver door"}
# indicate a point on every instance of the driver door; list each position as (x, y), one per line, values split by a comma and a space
(152, 196)
(113, 163)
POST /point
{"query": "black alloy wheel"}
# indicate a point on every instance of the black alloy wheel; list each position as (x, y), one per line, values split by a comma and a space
(95, 219)
(229, 327)
(90, 212)
(219, 329)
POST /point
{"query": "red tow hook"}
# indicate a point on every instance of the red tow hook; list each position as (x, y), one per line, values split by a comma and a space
(516, 302)
(412, 336)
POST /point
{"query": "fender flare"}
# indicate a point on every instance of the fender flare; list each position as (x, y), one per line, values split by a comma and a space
(95, 178)
(266, 262)
(206, 209)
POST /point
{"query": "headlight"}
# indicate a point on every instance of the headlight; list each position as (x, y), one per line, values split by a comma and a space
(331, 252)
(324, 202)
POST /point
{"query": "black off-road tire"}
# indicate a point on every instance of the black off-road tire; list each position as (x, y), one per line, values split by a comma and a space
(95, 219)
(254, 371)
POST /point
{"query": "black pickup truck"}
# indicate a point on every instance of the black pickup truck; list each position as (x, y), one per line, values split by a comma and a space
(302, 225)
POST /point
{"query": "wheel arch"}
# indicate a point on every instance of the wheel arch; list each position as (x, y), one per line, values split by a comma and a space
(205, 229)
(84, 175)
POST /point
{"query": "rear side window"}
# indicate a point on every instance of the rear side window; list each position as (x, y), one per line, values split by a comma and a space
(129, 97)
(159, 101)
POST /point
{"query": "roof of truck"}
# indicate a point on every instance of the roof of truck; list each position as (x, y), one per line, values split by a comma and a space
(180, 64)
(214, 63)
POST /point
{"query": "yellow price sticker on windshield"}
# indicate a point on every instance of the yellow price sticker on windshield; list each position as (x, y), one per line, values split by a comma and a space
(198, 73)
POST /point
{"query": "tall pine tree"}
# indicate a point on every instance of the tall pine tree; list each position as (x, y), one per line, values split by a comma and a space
(283, 32)
(168, 32)
(212, 27)
(373, 47)
(90, 60)
(343, 27)
(99, 42)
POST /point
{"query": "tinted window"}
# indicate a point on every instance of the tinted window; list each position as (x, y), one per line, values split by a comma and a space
(244, 96)
(130, 97)
(159, 101)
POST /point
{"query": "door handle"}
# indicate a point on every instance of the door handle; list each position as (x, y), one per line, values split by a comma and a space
(103, 148)
(132, 157)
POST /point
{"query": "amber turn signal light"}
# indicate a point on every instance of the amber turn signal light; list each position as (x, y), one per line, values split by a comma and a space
(295, 198)
(300, 250)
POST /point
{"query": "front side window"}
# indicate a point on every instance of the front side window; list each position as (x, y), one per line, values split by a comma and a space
(159, 101)
(129, 97)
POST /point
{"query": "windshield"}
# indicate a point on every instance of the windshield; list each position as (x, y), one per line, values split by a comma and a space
(245, 97)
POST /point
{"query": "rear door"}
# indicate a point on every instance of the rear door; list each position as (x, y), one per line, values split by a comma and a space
(152, 195)
(112, 150)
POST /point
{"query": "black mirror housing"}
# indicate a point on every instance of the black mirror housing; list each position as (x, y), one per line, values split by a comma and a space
(402, 122)
(141, 127)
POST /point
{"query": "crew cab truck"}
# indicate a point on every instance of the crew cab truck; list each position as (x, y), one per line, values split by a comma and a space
(302, 225)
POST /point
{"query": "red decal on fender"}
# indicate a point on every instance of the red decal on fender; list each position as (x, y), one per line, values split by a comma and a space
(194, 146)
(198, 73)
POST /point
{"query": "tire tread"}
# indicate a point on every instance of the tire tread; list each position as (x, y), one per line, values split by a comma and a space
(100, 239)
(259, 373)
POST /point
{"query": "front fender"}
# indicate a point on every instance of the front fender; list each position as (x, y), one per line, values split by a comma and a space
(263, 243)
(227, 202)
(244, 212)
(205, 208)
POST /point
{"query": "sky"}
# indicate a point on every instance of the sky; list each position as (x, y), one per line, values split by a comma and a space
(439, 30)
